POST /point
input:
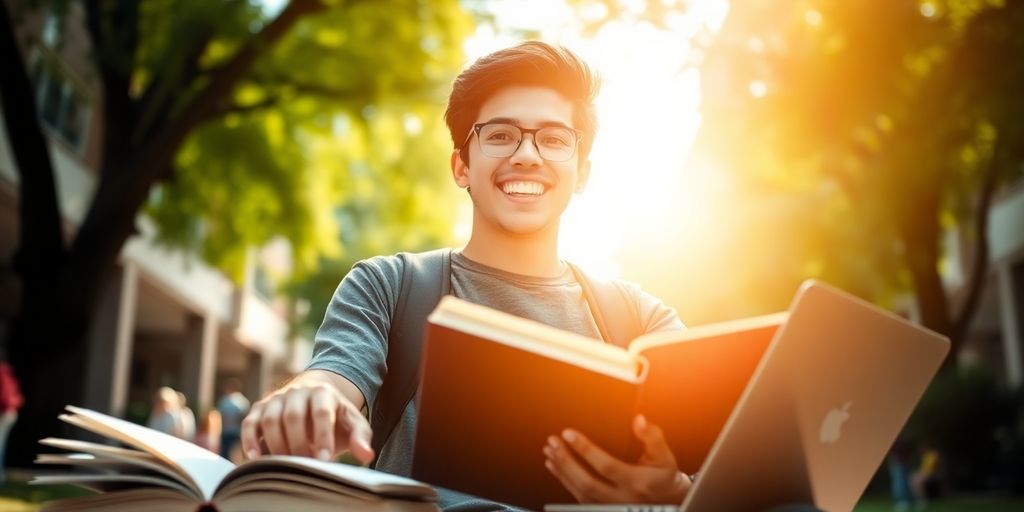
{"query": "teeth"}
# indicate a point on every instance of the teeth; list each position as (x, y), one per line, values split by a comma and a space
(531, 188)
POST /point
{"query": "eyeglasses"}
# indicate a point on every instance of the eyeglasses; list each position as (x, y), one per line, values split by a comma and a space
(500, 140)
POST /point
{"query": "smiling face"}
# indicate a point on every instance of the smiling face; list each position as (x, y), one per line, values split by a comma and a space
(521, 194)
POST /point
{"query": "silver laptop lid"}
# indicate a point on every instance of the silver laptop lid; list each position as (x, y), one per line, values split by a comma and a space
(833, 390)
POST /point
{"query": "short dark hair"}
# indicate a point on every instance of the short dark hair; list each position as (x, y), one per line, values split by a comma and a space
(531, 63)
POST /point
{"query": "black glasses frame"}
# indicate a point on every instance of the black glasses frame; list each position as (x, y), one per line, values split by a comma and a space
(524, 131)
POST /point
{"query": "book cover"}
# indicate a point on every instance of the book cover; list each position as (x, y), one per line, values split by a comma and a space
(494, 387)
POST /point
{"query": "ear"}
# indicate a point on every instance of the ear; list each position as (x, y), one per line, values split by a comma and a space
(460, 171)
(582, 176)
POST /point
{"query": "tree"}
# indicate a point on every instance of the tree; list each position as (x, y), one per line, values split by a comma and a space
(184, 84)
(879, 125)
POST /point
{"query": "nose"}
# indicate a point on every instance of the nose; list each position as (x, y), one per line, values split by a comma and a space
(527, 154)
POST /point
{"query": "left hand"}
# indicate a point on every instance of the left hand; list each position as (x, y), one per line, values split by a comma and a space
(654, 478)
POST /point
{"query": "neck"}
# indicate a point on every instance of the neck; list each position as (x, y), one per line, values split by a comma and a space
(535, 254)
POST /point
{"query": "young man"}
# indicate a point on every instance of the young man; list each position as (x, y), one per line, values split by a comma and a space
(522, 122)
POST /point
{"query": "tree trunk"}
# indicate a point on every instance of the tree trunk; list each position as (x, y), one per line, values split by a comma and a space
(49, 338)
(45, 358)
(920, 231)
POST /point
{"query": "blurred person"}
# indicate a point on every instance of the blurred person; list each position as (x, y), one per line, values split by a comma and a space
(232, 406)
(522, 123)
(164, 415)
(898, 464)
(186, 418)
(209, 431)
(925, 479)
(11, 400)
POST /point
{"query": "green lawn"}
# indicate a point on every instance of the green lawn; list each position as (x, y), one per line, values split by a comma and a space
(21, 497)
(874, 504)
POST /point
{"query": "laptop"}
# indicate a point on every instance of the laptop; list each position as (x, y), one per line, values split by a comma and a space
(833, 390)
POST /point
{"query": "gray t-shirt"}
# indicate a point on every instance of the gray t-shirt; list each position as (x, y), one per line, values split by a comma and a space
(353, 339)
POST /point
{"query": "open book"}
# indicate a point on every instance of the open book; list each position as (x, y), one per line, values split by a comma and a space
(495, 386)
(161, 472)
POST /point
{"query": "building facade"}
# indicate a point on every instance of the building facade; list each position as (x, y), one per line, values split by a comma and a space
(996, 334)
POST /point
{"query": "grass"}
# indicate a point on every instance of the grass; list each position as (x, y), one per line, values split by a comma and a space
(21, 497)
(954, 505)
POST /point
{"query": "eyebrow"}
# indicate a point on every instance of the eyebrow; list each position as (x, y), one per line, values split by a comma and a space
(516, 122)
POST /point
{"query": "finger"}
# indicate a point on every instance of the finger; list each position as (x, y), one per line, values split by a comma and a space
(604, 463)
(270, 426)
(550, 465)
(294, 420)
(251, 431)
(323, 413)
(578, 479)
(356, 432)
(656, 449)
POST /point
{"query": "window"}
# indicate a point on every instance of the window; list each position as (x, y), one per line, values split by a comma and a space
(50, 34)
(262, 284)
(1017, 283)
(61, 106)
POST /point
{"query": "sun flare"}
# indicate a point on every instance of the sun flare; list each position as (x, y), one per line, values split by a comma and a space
(648, 117)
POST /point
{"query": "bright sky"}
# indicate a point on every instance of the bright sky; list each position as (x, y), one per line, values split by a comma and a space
(648, 117)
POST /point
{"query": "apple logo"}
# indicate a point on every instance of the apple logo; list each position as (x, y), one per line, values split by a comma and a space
(833, 423)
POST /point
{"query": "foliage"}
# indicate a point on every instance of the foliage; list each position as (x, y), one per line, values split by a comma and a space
(320, 113)
(399, 196)
(865, 131)
(214, 117)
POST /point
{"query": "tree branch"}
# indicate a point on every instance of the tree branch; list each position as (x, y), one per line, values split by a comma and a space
(114, 53)
(157, 103)
(118, 199)
(92, 22)
(224, 79)
(267, 102)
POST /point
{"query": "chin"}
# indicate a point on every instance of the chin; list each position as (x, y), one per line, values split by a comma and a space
(525, 226)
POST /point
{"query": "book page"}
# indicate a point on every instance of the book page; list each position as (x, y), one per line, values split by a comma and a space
(694, 382)
(128, 500)
(295, 480)
(536, 337)
(202, 468)
(660, 338)
(74, 445)
(276, 500)
(376, 482)
(109, 463)
(111, 482)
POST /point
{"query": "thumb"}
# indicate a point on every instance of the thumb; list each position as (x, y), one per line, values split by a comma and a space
(656, 449)
(354, 434)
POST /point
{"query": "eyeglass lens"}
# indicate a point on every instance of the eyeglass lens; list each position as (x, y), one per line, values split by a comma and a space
(553, 143)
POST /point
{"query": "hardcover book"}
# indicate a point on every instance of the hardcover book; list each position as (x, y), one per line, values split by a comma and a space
(495, 386)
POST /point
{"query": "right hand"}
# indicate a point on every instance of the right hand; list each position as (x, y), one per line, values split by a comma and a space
(310, 416)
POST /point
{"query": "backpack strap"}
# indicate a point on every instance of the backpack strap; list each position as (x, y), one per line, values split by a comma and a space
(613, 310)
(426, 277)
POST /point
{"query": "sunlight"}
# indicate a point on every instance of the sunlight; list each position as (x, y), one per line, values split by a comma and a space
(648, 112)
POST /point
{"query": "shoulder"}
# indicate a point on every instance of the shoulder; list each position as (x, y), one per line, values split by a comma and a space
(377, 277)
(390, 268)
(386, 267)
(649, 311)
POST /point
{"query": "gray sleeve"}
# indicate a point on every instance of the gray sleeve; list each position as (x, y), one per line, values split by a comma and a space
(654, 314)
(353, 339)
